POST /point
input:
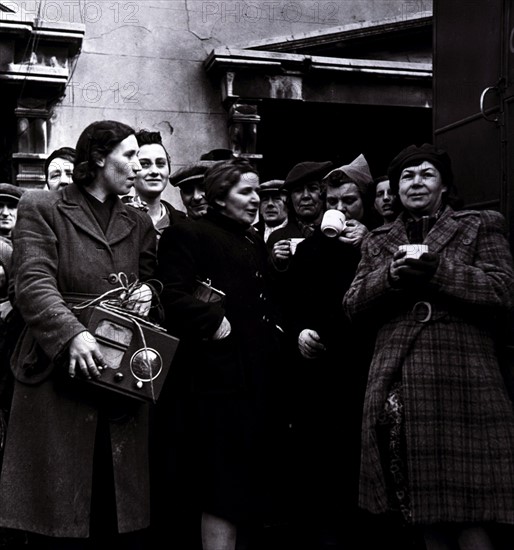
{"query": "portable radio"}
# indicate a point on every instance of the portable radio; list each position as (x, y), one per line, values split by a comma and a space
(137, 354)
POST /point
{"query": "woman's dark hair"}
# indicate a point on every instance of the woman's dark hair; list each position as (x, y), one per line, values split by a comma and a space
(395, 201)
(221, 177)
(145, 137)
(95, 143)
(67, 153)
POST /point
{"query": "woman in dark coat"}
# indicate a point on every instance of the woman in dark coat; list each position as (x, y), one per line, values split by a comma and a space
(229, 349)
(74, 465)
(438, 425)
(328, 373)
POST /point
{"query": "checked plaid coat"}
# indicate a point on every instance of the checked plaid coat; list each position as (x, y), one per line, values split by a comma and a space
(459, 421)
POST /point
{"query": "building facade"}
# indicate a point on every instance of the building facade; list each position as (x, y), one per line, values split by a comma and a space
(272, 80)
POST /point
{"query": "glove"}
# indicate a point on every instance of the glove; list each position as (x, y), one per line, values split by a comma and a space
(420, 269)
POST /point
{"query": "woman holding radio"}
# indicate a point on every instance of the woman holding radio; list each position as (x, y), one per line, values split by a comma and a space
(438, 425)
(75, 470)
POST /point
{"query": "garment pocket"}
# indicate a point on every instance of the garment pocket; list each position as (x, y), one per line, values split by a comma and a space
(218, 367)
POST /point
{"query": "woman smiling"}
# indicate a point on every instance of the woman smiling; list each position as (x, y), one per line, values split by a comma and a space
(229, 351)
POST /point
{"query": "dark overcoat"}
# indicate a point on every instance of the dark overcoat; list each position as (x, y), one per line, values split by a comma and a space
(328, 391)
(439, 340)
(62, 256)
(225, 386)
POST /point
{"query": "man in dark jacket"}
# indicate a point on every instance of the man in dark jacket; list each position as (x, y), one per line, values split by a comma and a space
(303, 183)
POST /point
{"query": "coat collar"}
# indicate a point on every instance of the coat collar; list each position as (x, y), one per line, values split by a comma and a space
(394, 234)
(74, 206)
(443, 230)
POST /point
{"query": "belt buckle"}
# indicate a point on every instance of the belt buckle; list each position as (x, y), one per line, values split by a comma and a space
(428, 316)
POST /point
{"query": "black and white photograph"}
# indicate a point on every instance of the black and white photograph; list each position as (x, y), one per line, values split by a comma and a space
(256, 275)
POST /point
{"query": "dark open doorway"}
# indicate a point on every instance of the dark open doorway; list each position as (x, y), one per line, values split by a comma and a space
(7, 134)
(292, 132)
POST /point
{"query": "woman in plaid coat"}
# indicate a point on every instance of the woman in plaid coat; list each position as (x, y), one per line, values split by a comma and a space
(438, 425)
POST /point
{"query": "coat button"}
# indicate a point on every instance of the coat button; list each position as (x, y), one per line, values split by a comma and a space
(113, 278)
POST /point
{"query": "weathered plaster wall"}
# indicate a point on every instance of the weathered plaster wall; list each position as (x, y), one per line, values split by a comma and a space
(142, 61)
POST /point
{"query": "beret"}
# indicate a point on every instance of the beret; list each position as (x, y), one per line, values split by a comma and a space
(414, 155)
(305, 172)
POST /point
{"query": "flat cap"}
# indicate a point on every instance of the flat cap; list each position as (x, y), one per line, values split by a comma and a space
(304, 172)
(9, 191)
(271, 186)
(190, 173)
(218, 154)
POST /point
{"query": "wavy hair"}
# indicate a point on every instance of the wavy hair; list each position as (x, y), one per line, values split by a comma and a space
(221, 177)
(95, 142)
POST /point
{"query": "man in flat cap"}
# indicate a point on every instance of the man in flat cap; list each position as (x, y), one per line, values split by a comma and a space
(189, 180)
(272, 209)
(303, 183)
(9, 198)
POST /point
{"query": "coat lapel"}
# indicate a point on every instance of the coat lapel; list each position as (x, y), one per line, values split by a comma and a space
(442, 232)
(75, 208)
(120, 225)
(392, 236)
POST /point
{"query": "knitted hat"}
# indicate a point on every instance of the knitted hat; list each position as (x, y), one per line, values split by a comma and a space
(358, 171)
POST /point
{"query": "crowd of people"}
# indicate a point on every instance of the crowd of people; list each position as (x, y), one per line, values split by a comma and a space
(338, 381)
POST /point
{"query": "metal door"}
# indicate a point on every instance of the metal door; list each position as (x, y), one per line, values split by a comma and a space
(470, 39)
(474, 112)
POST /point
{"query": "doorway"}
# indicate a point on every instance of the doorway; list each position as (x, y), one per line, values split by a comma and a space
(292, 132)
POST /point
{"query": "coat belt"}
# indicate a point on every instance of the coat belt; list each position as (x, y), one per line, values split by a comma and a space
(424, 312)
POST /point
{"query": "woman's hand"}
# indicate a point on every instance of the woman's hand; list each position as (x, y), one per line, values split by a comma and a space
(85, 355)
(413, 270)
(353, 233)
(140, 300)
(309, 344)
(223, 330)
